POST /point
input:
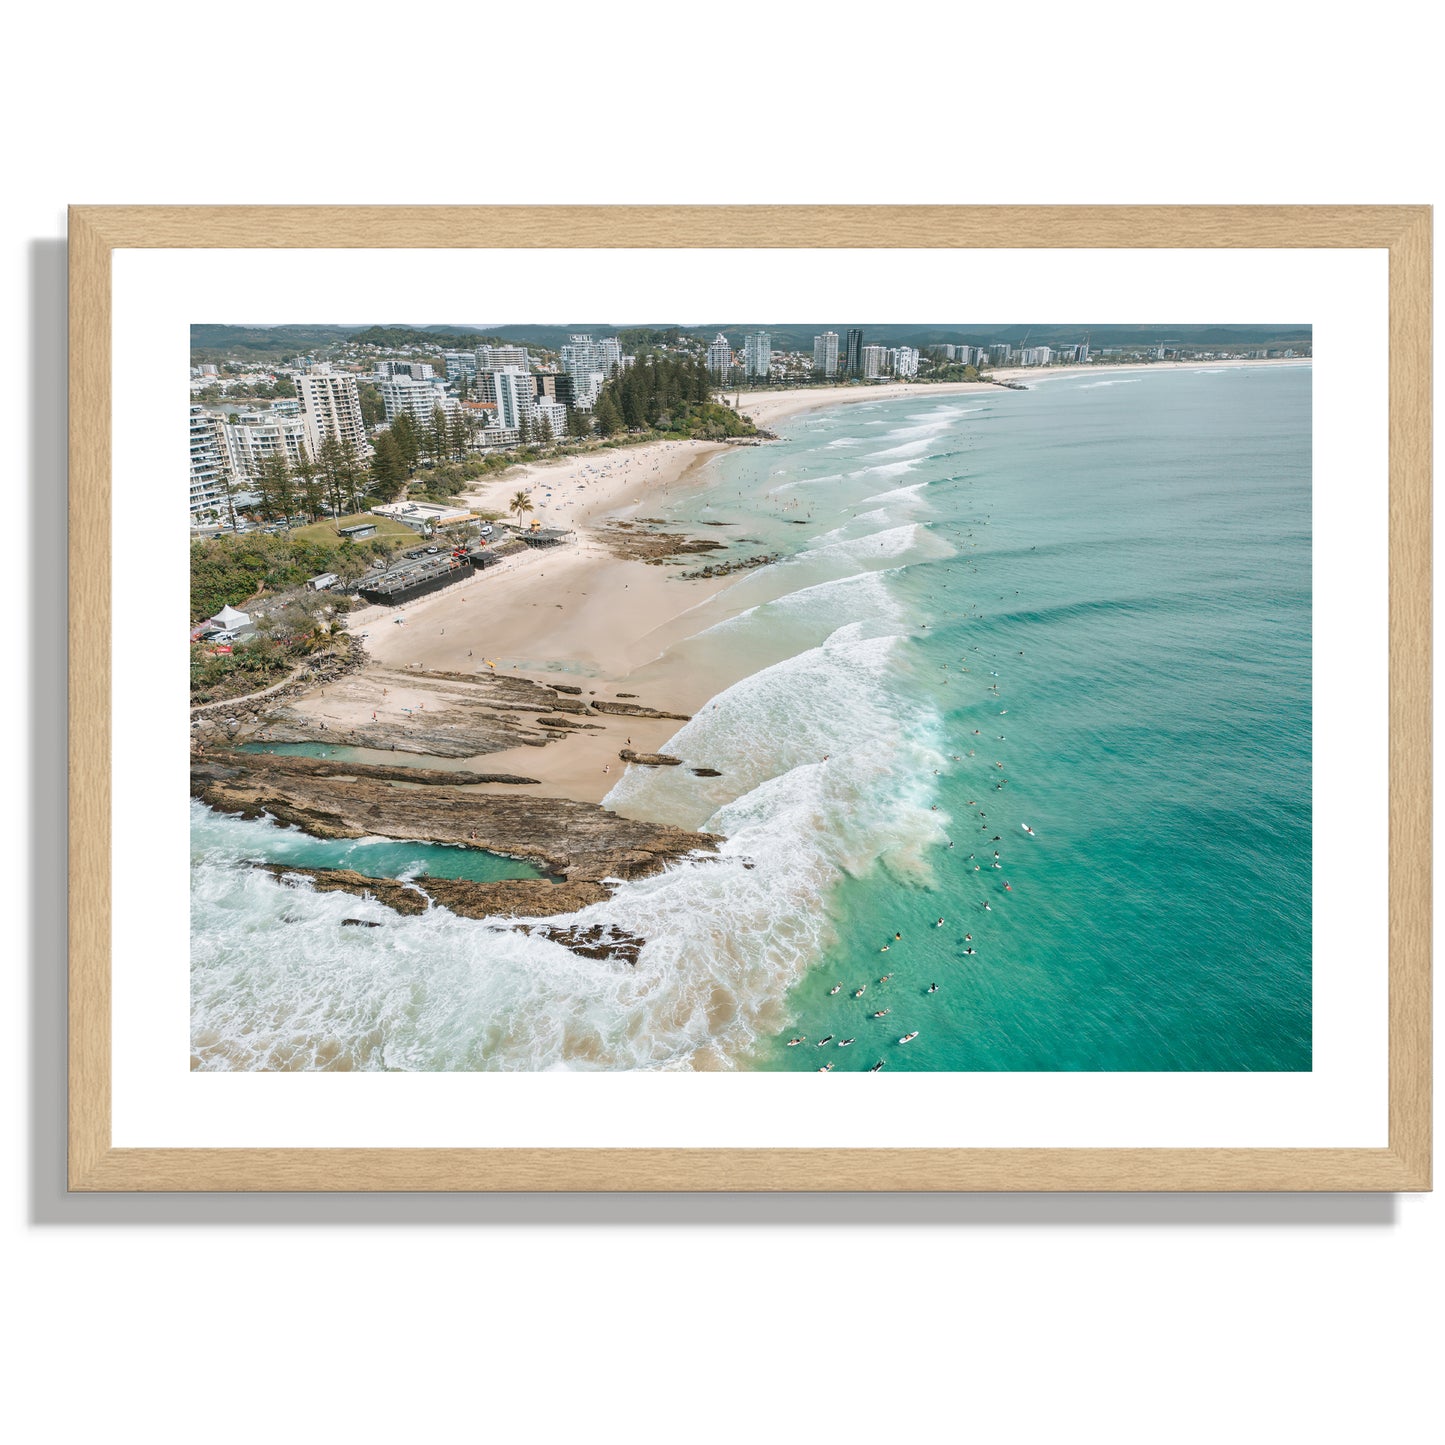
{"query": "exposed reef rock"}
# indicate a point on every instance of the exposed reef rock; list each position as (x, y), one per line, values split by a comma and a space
(601, 941)
(740, 564)
(706, 773)
(649, 760)
(632, 709)
(509, 898)
(637, 542)
(583, 844)
(380, 773)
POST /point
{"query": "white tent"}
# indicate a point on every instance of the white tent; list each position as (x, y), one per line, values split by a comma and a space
(228, 619)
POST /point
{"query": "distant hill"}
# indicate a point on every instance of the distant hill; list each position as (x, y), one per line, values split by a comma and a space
(212, 340)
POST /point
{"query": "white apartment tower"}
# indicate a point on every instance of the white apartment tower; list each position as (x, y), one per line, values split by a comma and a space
(720, 356)
(513, 391)
(589, 363)
(874, 361)
(330, 407)
(211, 470)
(758, 355)
(905, 361)
(260, 435)
(825, 353)
(492, 358)
(419, 399)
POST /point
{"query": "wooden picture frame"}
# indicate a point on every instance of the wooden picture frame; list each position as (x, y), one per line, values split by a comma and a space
(96, 1165)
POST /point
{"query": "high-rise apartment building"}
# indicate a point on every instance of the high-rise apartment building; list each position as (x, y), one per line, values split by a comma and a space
(720, 357)
(513, 392)
(459, 364)
(257, 436)
(853, 358)
(589, 363)
(490, 358)
(419, 399)
(211, 470)
(582, 354)
(873, 362)
(330, 407)
(416, 370)
(825, 354)
(905, 361)
(758, 355)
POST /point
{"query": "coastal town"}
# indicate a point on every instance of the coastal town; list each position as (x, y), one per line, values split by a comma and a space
(441, 595)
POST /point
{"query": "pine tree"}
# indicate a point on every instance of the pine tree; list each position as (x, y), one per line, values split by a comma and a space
(544, 432)
(283, 493)
(461, 434)
(606, 415)
(311, 489)
(440, 437)
(388, 468)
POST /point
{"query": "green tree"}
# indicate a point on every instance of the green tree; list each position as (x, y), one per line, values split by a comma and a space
(330, 469)
(373, 409)
(388, 468)
(606, 415)
(520, 504)
(439, 435)
(283, 489)
(544, 432)
(309, 484)
(404, 429)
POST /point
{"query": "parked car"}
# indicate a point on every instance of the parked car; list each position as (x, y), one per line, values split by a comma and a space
(485, 529)
(431, 549)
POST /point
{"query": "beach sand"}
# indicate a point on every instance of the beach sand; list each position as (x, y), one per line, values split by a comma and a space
(575, 614)
(578, 614)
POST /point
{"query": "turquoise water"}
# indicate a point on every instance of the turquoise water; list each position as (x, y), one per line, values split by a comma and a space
(1108, 577)
(215, 836)
(1122, 619)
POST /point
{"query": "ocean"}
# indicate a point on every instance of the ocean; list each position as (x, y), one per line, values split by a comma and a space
(1067, 626)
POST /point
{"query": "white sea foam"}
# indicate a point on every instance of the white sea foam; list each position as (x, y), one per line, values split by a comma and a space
(727, 941)
(1112, 381)
(822, 608)
(887, 469)
(915, 489)
(908, 449)
(888, 545)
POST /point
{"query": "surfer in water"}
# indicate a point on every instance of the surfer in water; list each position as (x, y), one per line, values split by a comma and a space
(933, 988)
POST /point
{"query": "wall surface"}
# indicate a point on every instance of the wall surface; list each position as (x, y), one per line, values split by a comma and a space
(1120, 1319)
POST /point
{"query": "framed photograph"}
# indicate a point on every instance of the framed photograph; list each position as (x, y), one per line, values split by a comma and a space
(616, 665)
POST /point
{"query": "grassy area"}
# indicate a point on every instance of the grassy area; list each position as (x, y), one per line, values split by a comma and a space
(328, 531)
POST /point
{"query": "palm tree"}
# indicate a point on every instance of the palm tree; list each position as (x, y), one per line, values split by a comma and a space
(520, 504)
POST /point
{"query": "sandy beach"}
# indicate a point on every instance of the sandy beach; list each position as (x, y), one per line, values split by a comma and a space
(579, 614)
(575, 613)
